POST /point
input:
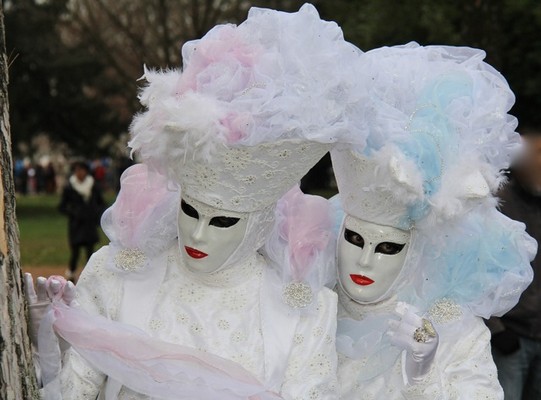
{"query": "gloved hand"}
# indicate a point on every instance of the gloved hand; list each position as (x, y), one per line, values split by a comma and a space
(418, 337)
(56, 287)
(506, 342)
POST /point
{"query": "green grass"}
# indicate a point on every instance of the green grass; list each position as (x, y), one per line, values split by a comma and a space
(43, 231)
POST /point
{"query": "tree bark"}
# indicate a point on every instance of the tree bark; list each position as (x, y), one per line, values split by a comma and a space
(17, 376)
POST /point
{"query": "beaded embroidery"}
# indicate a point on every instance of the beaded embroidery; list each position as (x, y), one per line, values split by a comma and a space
(130, 259)
(320, 365)
(297, 294)
(445, 310)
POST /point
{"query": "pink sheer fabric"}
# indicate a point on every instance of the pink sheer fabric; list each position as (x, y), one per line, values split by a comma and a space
(300, 248)
(305, 224)
(145, 199)
(150, 366)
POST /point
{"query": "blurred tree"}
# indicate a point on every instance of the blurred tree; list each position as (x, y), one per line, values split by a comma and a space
(520, 57)
(508, 30)
(53, 83)
(125, 34)
(75, 63)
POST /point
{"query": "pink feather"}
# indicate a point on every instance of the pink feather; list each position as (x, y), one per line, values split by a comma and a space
(306, 225)
(139, 193)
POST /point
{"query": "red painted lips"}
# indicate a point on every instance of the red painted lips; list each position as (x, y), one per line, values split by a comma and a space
(361, 280)
(194, 253)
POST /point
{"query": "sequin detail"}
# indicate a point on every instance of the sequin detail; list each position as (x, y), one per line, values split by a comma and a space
(130, 259)
(445, 310)
(297, 294)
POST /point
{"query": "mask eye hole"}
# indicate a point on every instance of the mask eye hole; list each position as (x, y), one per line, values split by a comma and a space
(389, 248)
(354, 238)
(223, 222)
(189, 210)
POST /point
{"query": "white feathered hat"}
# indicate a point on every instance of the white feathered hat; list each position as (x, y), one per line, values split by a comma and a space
(255, 107)
(438, 136)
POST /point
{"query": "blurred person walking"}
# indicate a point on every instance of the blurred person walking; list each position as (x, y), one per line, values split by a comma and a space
(49, 177)
(82, 202)
(516, 336)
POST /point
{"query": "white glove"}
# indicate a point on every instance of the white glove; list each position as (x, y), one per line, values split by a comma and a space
(418, 338)
(56, 287)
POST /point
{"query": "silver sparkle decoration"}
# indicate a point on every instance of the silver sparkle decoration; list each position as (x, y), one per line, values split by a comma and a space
(297, 294)
(130, 259)
(445, 310)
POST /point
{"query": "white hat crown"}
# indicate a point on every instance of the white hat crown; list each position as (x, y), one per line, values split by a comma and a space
(249, 178)
(376, 189)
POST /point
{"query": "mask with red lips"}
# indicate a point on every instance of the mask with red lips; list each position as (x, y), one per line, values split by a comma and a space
(209, 236)
(370, 258)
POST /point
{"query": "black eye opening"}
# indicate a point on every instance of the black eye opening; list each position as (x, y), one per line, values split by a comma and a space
(389, 248)
(188, 210)
(354, 238)
(223, 222)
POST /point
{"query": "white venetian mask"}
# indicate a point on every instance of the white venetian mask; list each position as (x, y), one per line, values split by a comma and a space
(209, 236)
(370, 258)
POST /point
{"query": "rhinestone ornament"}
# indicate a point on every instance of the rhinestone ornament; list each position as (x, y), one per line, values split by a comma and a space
(130, 259)
(297, 294)
(424, 333)
(445, 310)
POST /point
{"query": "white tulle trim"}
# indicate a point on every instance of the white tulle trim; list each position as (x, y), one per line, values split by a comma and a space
(481, 262)
(275, 78)
(435, 112)
(276, 75)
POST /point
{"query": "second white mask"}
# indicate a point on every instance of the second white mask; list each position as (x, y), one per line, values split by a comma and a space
(370, 258)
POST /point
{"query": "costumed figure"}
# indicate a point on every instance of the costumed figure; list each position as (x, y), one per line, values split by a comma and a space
(422, 253)
(205, 315)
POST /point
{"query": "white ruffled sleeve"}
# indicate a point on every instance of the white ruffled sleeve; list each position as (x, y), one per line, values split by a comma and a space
(464, 368)
(95, 294)
(311, 372)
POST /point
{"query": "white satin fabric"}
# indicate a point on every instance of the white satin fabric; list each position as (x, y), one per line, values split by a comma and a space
(463, 367)
(236, 314)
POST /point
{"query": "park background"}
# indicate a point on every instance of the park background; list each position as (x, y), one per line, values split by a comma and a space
(74, 67)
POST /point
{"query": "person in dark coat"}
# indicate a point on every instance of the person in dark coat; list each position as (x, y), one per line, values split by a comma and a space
(83, 203)
(516, 336)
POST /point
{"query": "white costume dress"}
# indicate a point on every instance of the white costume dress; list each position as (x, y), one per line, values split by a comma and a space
(463, 366)
(438, 138)
(224, 315)
(481, 270)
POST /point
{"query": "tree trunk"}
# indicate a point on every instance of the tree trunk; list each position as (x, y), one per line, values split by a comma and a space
(17, 377)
